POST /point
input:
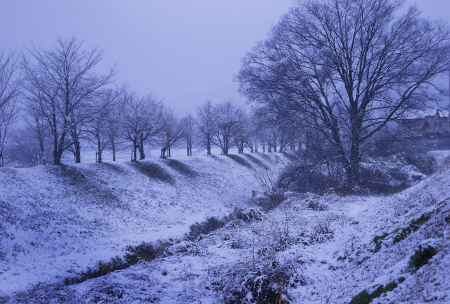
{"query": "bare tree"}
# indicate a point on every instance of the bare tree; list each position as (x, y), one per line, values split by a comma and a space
(114, 123)
(172, 131)
(36, 125)
(64, 84)
(228, 123)
(9, 91)
(99, 121)
(142, 120)
(241, 136)
(188, 131)
(347, 68)
(206, 125)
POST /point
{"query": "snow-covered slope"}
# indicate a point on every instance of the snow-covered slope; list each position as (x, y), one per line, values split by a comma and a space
(57, 221)
(311, 249)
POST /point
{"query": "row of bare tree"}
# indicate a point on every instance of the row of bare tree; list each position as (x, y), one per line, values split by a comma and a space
(342, 70)
(66, 102)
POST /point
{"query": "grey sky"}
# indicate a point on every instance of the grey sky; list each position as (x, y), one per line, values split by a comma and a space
(184, 51)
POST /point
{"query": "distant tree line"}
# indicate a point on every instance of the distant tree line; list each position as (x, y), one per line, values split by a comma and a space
(58, 101)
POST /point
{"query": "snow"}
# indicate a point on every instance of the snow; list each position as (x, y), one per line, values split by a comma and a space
(330, 253)
(56, 222)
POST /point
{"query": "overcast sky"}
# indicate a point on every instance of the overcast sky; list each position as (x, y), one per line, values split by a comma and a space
(183, 51)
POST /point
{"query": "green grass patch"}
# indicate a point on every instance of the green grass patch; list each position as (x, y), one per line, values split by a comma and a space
(412, 227)
(364, 297)
(378, 242)
(421, 257)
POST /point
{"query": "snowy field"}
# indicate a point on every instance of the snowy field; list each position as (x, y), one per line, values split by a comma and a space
(57, 221)
(309, 249)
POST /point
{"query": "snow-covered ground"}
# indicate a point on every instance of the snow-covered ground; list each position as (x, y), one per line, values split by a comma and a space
(57, 221)
(310, 249)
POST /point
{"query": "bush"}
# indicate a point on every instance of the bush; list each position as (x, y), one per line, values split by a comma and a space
(144, 252)
(421, 257)
(101, 269)
(365, 297)
(424, 162)
(247, 216)
(271, 201)
(322, 232)
(302, 178)
(199, 229)
(265, 286)
(135, 254)
(316, 206)
(412, 227)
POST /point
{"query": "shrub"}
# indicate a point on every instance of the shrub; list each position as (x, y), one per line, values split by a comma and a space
(365, 297)
(208, 226)
(265, 286)
(412, 227)
(101, 269)
(378, 180)
(378, 242)
(247, 216)
(316, 206)
(303, 178)
(271, 201)
(421, 257)
(422, 161)
(144, 252)
(322, 232)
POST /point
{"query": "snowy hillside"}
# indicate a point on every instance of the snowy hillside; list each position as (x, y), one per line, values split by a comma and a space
(311, 249)
(57, 221)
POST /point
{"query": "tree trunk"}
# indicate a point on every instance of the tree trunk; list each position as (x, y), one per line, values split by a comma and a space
(77, 151)
(353, 168)
(354, 165)
(134, 152)
(99, 151)
(141, 148)
(208, 145)
(57, 155)
(113, 146)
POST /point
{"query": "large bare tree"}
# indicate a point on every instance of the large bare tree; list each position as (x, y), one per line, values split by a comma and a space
(347, 68)
(64, 83)
(9, 91)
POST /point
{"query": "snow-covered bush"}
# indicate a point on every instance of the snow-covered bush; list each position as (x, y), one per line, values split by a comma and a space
(322, 232)
(247, 215)
(303, 178)
(316, 206)
(145, 252)
(206, 227)
(185, 248)
(421, 257)
(265, 284)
